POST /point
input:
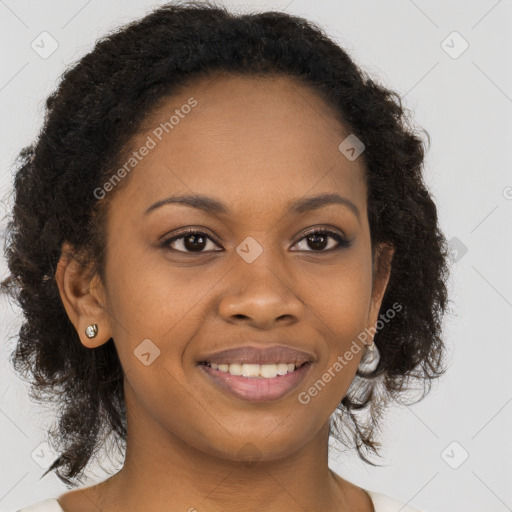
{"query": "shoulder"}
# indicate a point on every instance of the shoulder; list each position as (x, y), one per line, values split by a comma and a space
(383, 503)
(360, 497)
(47, 505)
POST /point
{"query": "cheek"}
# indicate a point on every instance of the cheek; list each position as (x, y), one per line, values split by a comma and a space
(150, 299)
(341, 305)
(342, 298)
(155, 313)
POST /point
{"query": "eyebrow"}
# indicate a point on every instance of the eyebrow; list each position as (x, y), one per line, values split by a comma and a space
(211, 205)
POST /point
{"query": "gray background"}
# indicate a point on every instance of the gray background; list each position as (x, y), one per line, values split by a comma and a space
(465, 104)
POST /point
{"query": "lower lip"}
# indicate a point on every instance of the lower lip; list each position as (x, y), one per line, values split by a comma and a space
(257, 389)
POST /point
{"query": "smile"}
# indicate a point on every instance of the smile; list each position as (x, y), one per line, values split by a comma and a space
(267, 371)
(255, 382)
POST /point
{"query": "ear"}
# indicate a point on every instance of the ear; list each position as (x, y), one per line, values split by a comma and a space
(381, 272)
(83, 296)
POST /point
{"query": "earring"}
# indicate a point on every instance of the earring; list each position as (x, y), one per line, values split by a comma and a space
(370, 359)
(371, 349)
(91, 330)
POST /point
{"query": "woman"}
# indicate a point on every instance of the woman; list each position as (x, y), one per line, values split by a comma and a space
(225, 253)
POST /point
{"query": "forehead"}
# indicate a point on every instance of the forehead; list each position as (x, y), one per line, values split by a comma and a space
(245, 139)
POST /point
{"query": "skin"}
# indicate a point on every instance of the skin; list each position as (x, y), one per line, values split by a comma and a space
(255, 144)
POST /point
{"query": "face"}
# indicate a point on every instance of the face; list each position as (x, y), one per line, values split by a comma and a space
(249, 274)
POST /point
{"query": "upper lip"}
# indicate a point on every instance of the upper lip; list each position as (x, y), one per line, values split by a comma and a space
(259, 355)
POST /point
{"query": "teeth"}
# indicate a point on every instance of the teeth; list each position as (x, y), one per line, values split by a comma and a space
(267, 371)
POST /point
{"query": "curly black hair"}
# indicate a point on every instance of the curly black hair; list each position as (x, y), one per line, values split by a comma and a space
(100, 104)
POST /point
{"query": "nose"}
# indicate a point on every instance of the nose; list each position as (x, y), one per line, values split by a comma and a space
(261, 296)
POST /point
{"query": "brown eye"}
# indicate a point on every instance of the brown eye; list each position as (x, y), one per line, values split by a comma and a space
(318, 240)
(191, 241)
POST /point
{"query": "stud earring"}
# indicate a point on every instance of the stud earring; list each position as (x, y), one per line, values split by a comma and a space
(91, 330)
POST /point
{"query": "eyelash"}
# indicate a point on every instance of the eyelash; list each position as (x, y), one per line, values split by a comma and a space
(342, 242)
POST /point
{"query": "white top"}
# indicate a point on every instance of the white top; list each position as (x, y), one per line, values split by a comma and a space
(381, 503)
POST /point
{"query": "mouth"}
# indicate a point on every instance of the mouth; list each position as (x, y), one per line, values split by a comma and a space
(254, 370)
(255, 382)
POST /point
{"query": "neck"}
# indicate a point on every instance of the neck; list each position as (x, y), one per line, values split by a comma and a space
(160, 468)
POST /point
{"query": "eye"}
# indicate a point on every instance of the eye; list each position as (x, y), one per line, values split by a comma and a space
(318, 237)
(192, 240)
